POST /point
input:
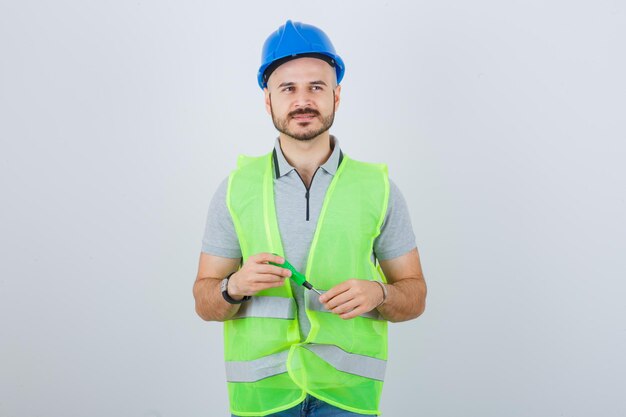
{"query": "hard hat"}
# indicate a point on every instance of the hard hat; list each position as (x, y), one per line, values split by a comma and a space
(297, 40)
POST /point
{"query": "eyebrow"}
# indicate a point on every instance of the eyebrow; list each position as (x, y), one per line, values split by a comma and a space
(291, 84)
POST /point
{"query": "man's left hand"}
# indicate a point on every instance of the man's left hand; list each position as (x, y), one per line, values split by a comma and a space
(352, 298)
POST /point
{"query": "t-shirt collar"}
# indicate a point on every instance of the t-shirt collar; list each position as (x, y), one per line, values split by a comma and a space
(282, 167)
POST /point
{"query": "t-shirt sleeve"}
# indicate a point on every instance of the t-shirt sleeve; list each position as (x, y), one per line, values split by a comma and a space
(220, 238)
(396, 236)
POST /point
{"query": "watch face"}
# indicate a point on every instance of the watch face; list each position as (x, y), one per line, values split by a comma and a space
(224, 284)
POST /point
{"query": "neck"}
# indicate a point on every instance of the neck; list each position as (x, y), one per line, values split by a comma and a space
(306, 156)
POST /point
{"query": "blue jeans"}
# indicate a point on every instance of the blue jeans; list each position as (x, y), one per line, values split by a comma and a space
(312, 407)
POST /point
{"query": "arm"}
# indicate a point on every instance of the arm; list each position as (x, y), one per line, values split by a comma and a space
(210, 305)
(406, 292)
(255, 275)
(406, 288)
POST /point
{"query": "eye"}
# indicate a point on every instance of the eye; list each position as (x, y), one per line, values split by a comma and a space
(316, 88)
(287, 89)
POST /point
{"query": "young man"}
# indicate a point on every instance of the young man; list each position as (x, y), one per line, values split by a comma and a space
(288, 350)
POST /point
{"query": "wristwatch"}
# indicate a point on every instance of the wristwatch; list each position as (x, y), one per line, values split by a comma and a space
(228, 298)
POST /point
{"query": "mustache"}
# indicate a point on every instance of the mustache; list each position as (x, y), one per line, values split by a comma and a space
(306, 110)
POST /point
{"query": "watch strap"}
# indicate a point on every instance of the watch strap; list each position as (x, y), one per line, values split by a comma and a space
(230, 299)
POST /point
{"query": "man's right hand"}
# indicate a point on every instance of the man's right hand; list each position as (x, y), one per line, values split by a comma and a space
(256, 275)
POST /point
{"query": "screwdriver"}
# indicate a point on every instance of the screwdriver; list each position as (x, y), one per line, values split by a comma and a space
(296, 276)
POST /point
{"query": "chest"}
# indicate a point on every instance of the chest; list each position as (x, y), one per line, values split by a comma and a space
(297, 212)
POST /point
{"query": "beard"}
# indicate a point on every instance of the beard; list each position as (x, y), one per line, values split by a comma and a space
(282, 124)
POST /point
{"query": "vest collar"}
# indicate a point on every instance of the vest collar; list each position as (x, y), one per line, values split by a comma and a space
(282, 167)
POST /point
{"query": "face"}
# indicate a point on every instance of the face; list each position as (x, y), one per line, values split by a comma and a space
(302, 96)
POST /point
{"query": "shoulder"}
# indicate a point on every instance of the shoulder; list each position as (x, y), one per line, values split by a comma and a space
(218, 201)
(366, 172)
(396, 236)
(247, 161)
(394, 189)
(223, 186)
(396, 198)
(249, 168)
(366, 164)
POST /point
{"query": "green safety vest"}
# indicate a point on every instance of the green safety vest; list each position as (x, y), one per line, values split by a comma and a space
(342, 362)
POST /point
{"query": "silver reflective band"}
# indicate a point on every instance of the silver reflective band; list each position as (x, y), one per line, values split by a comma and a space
(351, 363)
(252, 371)
(268, 307)
(315, 305)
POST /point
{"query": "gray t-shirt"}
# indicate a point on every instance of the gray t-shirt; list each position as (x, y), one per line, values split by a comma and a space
(297, 210)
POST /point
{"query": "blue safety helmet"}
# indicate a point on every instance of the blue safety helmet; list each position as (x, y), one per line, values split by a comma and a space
(297, 40)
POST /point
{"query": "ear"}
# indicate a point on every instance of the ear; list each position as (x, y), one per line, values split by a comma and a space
(337, 96)
(268, 102)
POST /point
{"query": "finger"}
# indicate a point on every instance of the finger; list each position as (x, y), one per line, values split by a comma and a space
(260, 282)
(268, 257)
(354, 313)
(271, 269)
(346, 307)
(266, 285)
(338, 300)
(334, 291)
(268, 278)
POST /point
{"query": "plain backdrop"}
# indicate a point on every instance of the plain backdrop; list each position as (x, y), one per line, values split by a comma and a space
(502, 122)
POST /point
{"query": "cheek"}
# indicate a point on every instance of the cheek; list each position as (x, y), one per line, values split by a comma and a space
(329, 103)
(278, 106)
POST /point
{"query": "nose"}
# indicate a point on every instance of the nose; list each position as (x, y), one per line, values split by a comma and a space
(302, 98)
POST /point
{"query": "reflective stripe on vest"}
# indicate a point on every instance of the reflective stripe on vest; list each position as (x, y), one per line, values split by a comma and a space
(252, 371)
(352, 363)
(315, 305)
(268, 307)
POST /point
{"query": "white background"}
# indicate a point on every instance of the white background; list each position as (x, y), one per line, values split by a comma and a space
(502, 123)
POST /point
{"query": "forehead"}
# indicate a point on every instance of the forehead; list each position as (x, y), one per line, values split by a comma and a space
(302, 70)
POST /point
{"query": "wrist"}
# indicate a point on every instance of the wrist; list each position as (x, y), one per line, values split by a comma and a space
(231, 288)
(383, 288)
(231, 296)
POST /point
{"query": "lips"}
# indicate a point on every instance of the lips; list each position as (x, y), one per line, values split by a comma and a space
(304, 114)
(304, 117)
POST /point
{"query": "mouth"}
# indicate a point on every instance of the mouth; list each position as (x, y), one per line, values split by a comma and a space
(305, 117)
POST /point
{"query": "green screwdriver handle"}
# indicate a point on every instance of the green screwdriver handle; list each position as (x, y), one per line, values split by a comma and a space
(295, 275)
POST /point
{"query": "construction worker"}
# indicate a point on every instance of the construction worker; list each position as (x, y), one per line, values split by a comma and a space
(340, 222)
